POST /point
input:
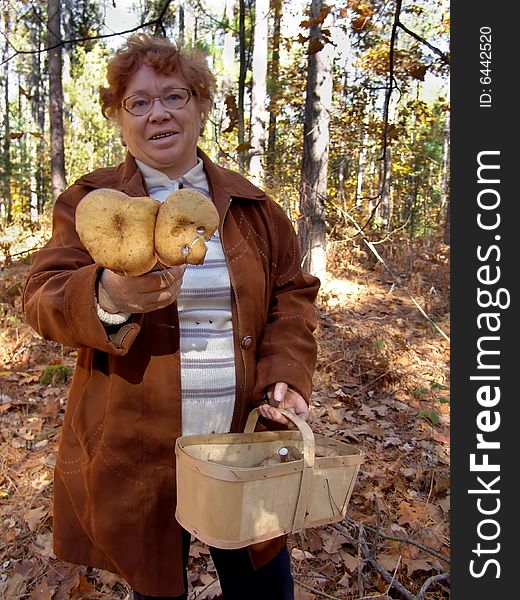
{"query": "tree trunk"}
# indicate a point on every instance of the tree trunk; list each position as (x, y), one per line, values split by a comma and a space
(445, 181)
(259, 92)
(274, 73)
(38, 102)
(228, 51)
(313, 186)
(341, 182)
(361, 167)
(6, 149)
(447, 222)
(384, 203)
(58, 179)
(241, 80)
(182, 30)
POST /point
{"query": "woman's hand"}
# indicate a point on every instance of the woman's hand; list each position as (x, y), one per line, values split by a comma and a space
(143, 294)
(282, 396)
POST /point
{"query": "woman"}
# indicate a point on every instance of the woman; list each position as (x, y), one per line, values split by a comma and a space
(160, 356)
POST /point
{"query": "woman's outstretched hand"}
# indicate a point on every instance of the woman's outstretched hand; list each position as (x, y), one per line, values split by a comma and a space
(280, 395)
(143, 294)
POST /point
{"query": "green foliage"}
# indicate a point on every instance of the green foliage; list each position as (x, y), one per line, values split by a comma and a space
(434, 395)
(90, 140)
(55, 374)
(415, 197)
(429, 415)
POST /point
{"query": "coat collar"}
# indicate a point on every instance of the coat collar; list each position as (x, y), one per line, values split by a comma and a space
(128, 179)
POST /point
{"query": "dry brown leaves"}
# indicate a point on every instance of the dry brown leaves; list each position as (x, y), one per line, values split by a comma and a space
(381, 385)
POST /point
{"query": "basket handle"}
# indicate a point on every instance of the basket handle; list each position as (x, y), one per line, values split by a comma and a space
(305, 492)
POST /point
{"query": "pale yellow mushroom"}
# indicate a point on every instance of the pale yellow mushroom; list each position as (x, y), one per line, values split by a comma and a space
(118, 230)
(185, 221)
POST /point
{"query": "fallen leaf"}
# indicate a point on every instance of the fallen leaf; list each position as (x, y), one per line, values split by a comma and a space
(43, 591)
(419, 564)
(312, 540)
(34, 516)
(445, 504)
(301, 593)
(334, 542)
(388, 561)
(206, 578)
(83, 588)
(407, 514)
(367, 412)
(34, 424)
(43, 544)
(351, 562)
(196, 549)
(14, 586)
(298, 554)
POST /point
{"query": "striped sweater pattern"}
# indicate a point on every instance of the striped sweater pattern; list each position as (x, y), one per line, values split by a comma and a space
(206, 331)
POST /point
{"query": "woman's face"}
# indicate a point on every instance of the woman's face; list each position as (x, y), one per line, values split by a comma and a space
(175, 151)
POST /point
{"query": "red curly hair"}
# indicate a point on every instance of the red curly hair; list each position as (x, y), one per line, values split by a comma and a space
(163, 57)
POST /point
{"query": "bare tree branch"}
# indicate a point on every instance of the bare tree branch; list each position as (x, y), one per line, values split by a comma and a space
(368, 557)
(404, 540)
(157, 22)
(220, 24)
(386, 109)
(444, 57)
(388, 577)
(430, 581)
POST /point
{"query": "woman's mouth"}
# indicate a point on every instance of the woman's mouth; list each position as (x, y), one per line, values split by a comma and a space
(161, 136)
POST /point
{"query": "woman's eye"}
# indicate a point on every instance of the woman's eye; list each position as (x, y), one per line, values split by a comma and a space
(139, 103)
(172, 97)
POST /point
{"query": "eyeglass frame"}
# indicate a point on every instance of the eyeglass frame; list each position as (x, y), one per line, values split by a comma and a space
(154, 98)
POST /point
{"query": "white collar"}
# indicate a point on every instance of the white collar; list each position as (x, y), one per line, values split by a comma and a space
(195, 177)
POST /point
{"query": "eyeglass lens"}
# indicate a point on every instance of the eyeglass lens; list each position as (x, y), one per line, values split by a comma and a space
(171, 99)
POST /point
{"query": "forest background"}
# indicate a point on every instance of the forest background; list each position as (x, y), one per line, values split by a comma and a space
(341, 112)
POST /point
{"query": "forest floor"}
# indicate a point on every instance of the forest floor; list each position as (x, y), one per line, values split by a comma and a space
(381, 385)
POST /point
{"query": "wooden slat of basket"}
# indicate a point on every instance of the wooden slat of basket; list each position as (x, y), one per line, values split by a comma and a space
(304, 494)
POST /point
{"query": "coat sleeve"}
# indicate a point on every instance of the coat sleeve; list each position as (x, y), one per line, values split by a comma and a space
(59, 296)
(288, 348)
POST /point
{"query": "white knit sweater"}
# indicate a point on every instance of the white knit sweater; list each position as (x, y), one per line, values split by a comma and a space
(206, 329)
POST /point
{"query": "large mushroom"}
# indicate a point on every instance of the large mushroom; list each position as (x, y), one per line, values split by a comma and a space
(185, 221)
(129, 235)
(118, 230)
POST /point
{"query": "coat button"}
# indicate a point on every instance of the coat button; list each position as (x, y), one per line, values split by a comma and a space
(246, 342)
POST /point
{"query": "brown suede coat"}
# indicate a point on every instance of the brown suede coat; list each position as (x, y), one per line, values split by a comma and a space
(115, 487)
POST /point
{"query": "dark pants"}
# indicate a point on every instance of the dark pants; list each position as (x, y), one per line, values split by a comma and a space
(239, 580)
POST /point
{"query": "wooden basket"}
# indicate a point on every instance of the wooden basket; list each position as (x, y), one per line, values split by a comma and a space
(226, 501)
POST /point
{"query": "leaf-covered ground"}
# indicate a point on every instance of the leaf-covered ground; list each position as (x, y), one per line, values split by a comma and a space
(381, 385)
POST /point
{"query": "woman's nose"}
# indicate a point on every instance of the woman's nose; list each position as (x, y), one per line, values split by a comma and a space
(158, 112)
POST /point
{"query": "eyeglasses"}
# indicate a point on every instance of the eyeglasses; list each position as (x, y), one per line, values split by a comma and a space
(141, 104)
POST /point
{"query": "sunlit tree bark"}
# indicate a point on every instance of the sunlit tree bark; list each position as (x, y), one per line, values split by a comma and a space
(38, 97)
(313, 186)
(445, 181)
(6, 149)
(242, 43)
(58, 179)
(274, 70)
(259, 92)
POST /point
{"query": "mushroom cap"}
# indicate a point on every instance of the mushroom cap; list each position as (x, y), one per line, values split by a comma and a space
(185, 221)
(118, 230)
